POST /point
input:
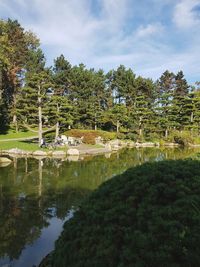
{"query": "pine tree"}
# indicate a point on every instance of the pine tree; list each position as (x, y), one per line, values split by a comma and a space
(165, 89)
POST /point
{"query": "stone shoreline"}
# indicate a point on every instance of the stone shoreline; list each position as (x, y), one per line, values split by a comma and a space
(83, 149)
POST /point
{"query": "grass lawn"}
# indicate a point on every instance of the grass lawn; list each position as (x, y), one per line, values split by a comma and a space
(28, 145)
(25, 145)
(12, 134)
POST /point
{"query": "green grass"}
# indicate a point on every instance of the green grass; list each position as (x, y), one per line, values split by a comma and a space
(11, 135)
(28, 146)
(25, 145)
(93, 146)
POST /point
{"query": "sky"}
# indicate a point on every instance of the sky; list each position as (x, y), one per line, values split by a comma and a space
(148, 36)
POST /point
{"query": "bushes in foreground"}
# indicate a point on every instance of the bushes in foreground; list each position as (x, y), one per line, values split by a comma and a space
(147, 217)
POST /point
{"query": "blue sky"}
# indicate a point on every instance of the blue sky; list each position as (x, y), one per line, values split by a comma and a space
(149, 36)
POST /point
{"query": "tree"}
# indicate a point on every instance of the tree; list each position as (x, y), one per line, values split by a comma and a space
(142, 115)
(60, 106)
(165, 90)
(33, 99)
(14, 52)
(181, 90)
(88, 95)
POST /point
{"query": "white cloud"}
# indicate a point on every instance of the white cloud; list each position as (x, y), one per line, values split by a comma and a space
(150, 29)
(184, 14)
(101, 38)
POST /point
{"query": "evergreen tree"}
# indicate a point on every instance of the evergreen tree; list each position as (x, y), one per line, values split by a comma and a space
(142, 114)
(181, 91)
(165, 89)
(60, 107)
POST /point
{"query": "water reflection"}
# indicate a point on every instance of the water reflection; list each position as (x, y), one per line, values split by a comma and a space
(36, 196)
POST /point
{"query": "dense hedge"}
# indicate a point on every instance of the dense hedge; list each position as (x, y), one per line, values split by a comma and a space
(147, 217)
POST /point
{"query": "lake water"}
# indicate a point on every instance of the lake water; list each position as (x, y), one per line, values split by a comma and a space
(38, 195)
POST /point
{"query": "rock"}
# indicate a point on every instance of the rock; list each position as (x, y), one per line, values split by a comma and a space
(123, 143)
(64, 139)
(148, 144)
(115, 142)
(98, 140)
(59, 154)
(115, 147)
(73, 152)
(130, 144)
(73, 158)
(17, 151)
(5, 160)
(108, 155)
(171, 144)
(40, 153)
(108, 147)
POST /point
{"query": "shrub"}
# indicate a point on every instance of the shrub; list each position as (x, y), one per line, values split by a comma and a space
(90, 135)
(148, 216)
(121, 136)
(132, 136)
(183, 138)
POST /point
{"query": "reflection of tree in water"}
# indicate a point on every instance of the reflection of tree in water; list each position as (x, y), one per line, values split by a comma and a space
(33, 191)
(22, 216)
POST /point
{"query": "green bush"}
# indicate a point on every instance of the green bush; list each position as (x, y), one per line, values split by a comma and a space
(132, 136)
(183, 138)
(121, 136)
(147, 217)
(90, 135)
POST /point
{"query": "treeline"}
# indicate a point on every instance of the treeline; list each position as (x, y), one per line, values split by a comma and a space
(65, 96)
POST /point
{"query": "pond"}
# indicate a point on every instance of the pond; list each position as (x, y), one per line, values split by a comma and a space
(38, 195)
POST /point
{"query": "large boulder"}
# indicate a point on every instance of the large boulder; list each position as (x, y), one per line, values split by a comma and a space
(58, 154)
(17, 151)
(73, 158)
(73, 152)
(108, 147)
(40, 153)
(99, 140)
(4, 161)
(115, 142)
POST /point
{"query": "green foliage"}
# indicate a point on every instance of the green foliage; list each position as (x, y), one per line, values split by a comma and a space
(131, 136)
(90, 135)
(86, 98)
(183, 138)
(148, 216)
(121, 136)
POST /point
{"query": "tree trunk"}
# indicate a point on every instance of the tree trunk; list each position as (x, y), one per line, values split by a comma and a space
(95, 123)
(57, 123)
(1, 84)
(14, 113)
(192, 117)
(39, 116)
(140, 126)
(40, 165)
(166, 133)
(140, 132)
(57, 130)
(118, 125)
(26, 165)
